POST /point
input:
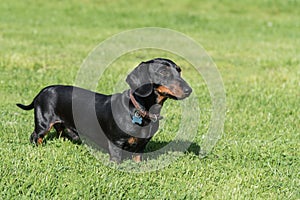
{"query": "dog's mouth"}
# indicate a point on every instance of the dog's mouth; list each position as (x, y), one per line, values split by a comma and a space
(174, 92)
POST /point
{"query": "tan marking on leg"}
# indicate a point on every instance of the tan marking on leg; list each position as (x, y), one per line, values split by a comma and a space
(40, 141)
(52, 124)
(132, 140)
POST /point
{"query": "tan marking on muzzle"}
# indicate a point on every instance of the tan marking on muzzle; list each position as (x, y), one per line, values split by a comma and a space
(173, 90)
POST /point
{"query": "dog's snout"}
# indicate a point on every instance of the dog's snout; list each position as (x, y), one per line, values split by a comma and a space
(187, 90)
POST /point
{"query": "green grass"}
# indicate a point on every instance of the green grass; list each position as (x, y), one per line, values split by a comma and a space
(255, 45)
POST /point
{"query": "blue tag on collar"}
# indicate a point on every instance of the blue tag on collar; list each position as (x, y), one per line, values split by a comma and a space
(136, 119)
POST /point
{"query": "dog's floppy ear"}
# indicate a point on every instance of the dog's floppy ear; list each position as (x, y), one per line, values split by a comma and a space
(139, 80)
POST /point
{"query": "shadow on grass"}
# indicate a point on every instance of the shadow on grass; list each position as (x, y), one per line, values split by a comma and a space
(54, 135)
(185, 146)
(153, 150)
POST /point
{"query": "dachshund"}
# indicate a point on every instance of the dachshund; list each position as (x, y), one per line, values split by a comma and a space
(119, 123)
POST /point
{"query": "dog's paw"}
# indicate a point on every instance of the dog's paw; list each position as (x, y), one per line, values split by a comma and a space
(115, 160)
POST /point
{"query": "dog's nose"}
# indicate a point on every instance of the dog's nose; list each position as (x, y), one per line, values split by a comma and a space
(187, 90)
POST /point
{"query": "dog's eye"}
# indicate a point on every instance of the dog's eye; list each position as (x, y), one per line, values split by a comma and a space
(164, 73)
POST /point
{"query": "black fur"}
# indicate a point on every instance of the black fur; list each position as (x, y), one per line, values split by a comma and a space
(151, 83)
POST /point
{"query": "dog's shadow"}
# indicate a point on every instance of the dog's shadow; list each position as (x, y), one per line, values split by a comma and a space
(183, 146)
(53, 135)
(154, 148)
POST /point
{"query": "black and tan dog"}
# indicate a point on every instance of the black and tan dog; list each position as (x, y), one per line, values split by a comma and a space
(127, 120)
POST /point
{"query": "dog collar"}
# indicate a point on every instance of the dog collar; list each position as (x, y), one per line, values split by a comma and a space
(141, 112)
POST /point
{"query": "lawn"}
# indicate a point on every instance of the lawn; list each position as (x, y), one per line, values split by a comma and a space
(256, 47)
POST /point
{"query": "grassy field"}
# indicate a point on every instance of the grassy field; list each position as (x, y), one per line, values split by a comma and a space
(256, 46)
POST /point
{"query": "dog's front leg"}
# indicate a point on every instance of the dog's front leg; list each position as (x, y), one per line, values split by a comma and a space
(137, 157)
(115, 152)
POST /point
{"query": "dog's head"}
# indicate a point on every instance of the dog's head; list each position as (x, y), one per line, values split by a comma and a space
(160, 75)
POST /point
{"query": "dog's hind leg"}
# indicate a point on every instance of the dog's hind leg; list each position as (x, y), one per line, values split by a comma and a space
(73, 135)
(43, 124)
(39, 133)
(33, 137)
(60, 129)
(69, 133)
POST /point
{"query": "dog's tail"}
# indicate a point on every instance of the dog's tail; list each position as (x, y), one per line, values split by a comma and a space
(26, 107)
